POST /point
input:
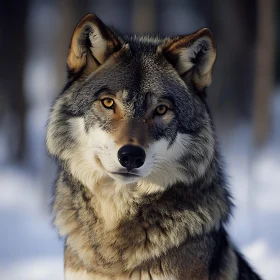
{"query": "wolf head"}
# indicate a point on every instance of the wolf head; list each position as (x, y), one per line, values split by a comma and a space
(133, 109)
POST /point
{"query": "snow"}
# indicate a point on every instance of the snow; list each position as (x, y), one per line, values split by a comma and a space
(255, 184)
(265, 260)
(43, 268)
(29, 246)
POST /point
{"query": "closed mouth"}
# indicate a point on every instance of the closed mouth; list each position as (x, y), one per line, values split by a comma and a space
(125, 174)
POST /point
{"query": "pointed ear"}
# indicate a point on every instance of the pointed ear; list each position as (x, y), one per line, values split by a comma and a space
(91, 45)
(192, 56)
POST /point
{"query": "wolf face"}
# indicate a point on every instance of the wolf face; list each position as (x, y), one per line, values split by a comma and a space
(133, 110)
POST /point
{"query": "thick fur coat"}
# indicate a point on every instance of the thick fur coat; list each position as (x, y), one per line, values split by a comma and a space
(141, 193)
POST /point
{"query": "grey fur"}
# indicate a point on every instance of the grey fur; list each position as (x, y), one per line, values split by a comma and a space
(169, 223)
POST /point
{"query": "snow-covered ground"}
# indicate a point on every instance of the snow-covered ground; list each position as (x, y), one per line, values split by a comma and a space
(29, 247)
(31, 250)
(255, 184)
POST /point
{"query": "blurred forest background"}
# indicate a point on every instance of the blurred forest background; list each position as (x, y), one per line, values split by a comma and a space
(244, 98)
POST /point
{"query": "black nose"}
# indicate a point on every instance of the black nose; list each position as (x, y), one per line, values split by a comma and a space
(131, 156)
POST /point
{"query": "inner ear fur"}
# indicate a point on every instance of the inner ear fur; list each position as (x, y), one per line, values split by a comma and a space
(192, 56)
(91, 45)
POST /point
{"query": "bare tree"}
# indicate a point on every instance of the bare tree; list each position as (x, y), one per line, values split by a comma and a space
(13, 50)
(264, 80)
(233, 25)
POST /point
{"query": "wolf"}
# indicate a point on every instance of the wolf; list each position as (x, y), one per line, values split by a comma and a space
(141, 192)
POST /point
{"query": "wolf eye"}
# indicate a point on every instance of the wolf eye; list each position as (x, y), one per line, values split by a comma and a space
(161, 110)
(108, 103)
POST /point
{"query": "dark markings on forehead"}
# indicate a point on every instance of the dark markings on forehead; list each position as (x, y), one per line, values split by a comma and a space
(143, 43)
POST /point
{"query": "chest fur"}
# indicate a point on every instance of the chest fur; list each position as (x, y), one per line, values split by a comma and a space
(121, 232)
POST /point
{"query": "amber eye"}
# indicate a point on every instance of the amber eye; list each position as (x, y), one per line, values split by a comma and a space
(108, 103)
(161, 110)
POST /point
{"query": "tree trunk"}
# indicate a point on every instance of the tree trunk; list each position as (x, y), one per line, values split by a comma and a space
(13, 50)
(264, 80)
(233, 25)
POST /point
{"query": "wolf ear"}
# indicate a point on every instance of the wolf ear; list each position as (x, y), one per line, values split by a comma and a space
(91, 45)
(192, 56)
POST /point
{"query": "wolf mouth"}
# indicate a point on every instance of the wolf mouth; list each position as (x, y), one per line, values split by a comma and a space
(119, 174)
(126, 174)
